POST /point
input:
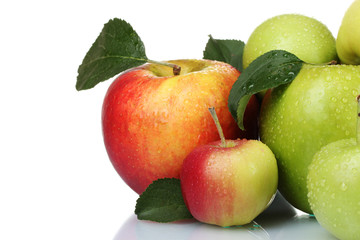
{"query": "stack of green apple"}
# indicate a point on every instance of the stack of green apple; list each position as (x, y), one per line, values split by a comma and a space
(162, 141)
(315, 113)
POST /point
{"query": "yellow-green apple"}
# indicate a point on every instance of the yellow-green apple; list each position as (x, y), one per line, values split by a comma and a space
(229, 182)
(307, 38)
(152, 119)
(299, 118)
(347, 42)
(334, 188)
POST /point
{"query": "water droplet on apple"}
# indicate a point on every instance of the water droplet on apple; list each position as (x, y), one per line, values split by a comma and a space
(344, 187)
(322, 183)
(355, 93)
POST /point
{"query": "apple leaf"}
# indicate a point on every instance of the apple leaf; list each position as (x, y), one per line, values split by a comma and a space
(162, 201)
(268, 71)
(229, 51)
(116, 49)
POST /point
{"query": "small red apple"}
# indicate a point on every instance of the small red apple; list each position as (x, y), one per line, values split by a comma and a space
(152, 119)
(229, 182)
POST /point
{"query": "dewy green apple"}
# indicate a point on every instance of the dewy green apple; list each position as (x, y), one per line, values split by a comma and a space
(306, 37)
(334, 186)
(297, 119)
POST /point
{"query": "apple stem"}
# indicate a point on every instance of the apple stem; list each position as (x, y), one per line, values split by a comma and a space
(218, 126)
(176, 68)
(358, 121)
(333, 62)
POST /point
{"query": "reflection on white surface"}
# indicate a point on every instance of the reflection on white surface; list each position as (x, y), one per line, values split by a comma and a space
(280, 221)
(134, 229)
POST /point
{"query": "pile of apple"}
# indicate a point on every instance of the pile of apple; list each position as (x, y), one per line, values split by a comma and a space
(300, 137)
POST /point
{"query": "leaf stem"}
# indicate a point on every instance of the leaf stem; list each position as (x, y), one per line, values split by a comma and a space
(176, 68)
(332, 62)
(218, 126)
(358, 121)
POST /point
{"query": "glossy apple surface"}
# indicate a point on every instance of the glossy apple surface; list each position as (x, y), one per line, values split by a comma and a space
(334, 188)
(307, 38)
(152, 119)
(347, 42)
(229, 185)
(296, 120)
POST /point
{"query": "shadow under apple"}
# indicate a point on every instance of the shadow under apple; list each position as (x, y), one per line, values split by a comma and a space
(279, 221)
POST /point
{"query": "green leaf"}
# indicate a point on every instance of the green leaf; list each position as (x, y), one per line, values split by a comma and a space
(116, 49)
(229, 51)
(162, 201)
(268, 71)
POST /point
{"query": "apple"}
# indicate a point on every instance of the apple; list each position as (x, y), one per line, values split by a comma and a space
(347, 42)
(333, 183)
(152, 119)
(334, 188)
(307, 38)
(299, 118)
(229, 182)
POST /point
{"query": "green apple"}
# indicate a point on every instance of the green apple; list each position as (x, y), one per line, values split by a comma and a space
(347, 42)
(299, 118)
(334, 188)
(307, 38)
(229, 182)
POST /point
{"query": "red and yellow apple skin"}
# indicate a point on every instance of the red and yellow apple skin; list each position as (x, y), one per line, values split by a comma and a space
(152, 119)
(230, 185)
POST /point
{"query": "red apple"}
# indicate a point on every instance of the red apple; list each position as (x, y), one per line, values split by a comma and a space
(229, 182)
(152, 119)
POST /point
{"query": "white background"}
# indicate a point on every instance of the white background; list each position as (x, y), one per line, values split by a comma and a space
(56, 181)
